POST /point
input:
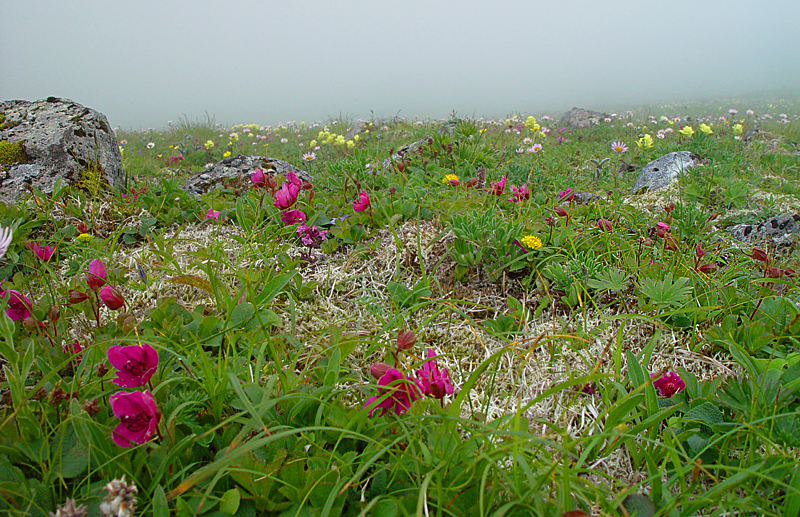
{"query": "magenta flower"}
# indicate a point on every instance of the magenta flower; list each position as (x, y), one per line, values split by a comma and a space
(135, 364)
(43, 253)
(566, 195)
(212, 214)
(292, 217)
(668, 384)
(292, 178)
(362, 203)
(497, 188)
(286, 196)
(138, 417)
(75, 349)
(96, 275)
(110, 297)
(431, 381)
(258, 179)
(403, 392)
(520, 193)
(19, 306)
(604, 224)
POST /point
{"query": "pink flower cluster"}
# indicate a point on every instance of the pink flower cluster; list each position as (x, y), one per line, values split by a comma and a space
(397, 391)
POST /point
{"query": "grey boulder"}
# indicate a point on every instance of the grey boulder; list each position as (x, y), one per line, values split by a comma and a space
(658, 173)
(238, 169)
(776, 230)
(60, 139)
(579, 117)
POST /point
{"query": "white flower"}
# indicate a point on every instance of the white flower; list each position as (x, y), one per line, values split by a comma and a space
(5, 240)
(150, 145)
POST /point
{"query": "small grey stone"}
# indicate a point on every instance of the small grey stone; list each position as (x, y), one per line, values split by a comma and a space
(387, 163)
(658, 173)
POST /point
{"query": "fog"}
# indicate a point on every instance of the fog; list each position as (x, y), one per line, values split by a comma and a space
(142, 63)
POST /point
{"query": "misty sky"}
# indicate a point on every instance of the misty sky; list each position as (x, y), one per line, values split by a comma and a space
(142, 63)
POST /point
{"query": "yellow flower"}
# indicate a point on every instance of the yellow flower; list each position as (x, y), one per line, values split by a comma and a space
(350, 144)
(321, 135)
(482, 130)
(84, 237)
(121, 150)
(737, 129)
(356, 137)
(705, 128)
(687, 131)
(532, 242)
(449, 178)
(646, 142)
(226, 154)
(209, 144)
(530, 122)
(339, 139)
(312, 143)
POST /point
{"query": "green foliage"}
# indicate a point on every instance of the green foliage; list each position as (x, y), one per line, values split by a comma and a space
(12, 153)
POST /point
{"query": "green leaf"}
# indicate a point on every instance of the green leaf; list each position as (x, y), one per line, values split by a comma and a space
(230, 501)
(638, 505)
(192, 280)
(706, 412)
(160, 506)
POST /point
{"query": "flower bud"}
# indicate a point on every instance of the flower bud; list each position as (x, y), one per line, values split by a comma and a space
(471, 183)
(699, 251)
(75, 296)
(81, 227)
(670, 242)
(54, 314)
(759, 255)
(111, 298)
(559, 210)
(707, 268)
(405, 340)
(378, 370)
(604, 224)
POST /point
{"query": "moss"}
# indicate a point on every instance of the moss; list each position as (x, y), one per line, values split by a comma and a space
(91, 179)
(2, 120)
(12, 153)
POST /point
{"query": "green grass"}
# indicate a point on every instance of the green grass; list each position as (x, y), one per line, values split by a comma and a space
(265, 344)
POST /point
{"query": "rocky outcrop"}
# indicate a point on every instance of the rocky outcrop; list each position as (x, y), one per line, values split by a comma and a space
(658, 173)
(238, 169)
(778, 230)
(54, 138)
(579, 117)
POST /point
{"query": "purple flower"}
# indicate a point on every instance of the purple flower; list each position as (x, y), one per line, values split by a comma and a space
(311, 236)
(431, 381)
(135, 364)
(362, 203)
(403, 391)
(19, 306)
(292, 216)
(138, 417)
(212, 214)
(520, 193)
(668, 384)
(96, 275)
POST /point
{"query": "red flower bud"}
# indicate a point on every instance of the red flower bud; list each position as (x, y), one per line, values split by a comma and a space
(759, 255)
(111, 298)
(405, 340)
(604, 224)
(82, 227)
(559, 210)
(471, 183)
(54, 314)
(75, 296)
(707, 268)
(698, 250)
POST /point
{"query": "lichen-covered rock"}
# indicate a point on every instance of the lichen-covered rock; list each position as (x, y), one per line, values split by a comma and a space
(776, 230)
(658, 173)
(238, 170)
(579, 117)
(59, 139)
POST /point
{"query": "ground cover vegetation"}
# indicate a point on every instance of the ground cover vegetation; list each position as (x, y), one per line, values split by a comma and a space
(455, 333)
